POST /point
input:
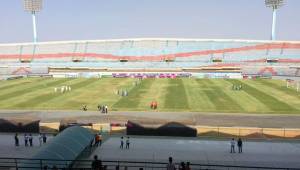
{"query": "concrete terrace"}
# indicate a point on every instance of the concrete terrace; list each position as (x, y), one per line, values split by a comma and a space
(195, 150)
(255, 153)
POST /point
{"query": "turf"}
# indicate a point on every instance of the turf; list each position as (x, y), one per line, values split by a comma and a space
(184, 94)
(176, 97)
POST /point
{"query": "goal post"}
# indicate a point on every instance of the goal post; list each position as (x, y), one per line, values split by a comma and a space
(293, 84)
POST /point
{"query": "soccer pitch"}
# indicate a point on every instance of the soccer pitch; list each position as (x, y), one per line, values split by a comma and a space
(173, 95)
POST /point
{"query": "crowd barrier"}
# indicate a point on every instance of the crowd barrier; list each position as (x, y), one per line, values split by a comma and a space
(248, 132)
(24, 163)
(210, 131)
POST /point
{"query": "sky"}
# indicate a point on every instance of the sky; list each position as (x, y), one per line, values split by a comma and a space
(114, 19)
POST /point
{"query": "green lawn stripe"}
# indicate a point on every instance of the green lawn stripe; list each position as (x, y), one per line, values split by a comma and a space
(101, 91)
(75, 87)
(270, 101)
(246, 101)
(46, 97)
(284, 89)
(9, 86)
(219, 98)
(197, 99)
(14, 83)
(183, 94)
(157, 93)
(134, 95)
(31, 88)
(282, 96)
(176, 95)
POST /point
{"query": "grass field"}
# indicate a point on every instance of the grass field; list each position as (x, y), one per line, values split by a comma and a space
(184, 94)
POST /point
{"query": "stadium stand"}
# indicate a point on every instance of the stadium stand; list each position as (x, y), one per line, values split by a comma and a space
(170, 54)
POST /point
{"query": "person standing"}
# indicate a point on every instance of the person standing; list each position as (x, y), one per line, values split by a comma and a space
(171, 165)
(182, 166)
(30, 139)
(16, 140)
(240, 145)
(26, 139)
(155, 105)
(106, 109)
(103, 109)
(188, 166)
(97, 139)
(100, 139)
(40, 139)
(127, 143)
(99, 107)
(44, 138)
(96, 164)
(122, 143)
(232, 144)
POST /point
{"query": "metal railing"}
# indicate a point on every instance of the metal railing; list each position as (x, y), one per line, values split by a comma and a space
(24, 163)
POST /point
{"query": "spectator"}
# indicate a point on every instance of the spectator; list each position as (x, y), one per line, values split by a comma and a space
(30, 140)
(93, 142)
(26, 139)
(122, 143)
(97, 140)
(40, 139)
(232, 144)
(182, 166)
(16, 140)
(240, 145)
(117, 167)
(188, 166)
(127, 143)
(96, 164)
(100, 139)
(171, 165)
(44, 138)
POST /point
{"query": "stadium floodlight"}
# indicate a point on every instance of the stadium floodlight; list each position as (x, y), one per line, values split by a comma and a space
(33, 6)
(274, 4)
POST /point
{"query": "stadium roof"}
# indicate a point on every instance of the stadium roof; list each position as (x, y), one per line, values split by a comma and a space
(150, 39)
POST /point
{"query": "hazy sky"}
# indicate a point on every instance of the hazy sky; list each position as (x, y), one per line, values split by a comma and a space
(106, 19)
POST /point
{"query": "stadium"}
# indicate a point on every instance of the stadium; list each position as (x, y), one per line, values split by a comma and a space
(184, 61)
(182, 57)
(182, 99)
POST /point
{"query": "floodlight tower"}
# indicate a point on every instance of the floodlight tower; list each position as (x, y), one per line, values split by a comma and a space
(33, 6)
(274, 4)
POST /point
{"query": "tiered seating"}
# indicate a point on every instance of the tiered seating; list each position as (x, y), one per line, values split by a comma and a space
(147, 53)
(273, 70)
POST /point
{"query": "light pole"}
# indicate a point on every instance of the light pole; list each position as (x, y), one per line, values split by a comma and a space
(33, 6)
(274, 4)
